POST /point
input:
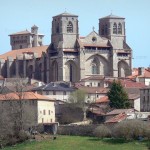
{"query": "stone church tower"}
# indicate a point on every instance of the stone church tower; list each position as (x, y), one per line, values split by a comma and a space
(63, 51)
(70, 57)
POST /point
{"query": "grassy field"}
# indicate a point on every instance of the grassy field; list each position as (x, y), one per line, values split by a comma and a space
(80, 143)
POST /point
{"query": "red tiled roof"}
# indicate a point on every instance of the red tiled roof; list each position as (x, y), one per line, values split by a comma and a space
(128, 83)
(103, 100)
(135, 73)
(117, 118)
(118, 111)
(13, 53)
(1, 77)
(21, 32)
(94, 77)
(24, 96)
(94, 90)
(133, 96)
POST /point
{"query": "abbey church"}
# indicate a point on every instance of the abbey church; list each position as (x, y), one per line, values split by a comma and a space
(69, 57)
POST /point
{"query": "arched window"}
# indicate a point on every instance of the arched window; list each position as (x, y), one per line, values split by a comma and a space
(119, 28)
(106, 29)
(95, 66)
(115, 28)
(69, 27)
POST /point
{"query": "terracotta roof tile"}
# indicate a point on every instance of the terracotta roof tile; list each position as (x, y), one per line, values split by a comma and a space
(14, 53)
(117, 118)
(94, 90)
(118, 111)
(103, 100)
(24, 95)
(21, 32)
(94, 77)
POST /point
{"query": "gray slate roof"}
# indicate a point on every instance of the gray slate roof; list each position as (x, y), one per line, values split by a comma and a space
(54, 86)
(112, 16)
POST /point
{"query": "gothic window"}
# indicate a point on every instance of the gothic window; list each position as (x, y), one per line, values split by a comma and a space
(106, 29)
(70, 27)
(115, 28)
(95, 66)
(119, 28)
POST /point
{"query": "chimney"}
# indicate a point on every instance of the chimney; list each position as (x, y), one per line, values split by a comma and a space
(141, 71)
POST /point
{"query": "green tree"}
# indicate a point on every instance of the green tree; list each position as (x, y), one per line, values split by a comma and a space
(118, 96)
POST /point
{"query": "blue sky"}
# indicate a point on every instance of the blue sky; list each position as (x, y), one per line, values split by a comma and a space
(18, 15)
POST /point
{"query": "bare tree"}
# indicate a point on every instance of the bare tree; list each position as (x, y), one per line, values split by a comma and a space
(77, 98)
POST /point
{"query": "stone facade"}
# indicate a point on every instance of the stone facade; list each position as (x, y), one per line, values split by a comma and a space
(72, 58)
(145, 99)
(26, 39)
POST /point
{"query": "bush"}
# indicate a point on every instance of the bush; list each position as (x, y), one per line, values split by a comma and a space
(23, 135)
(102, 131)
(130, 129)
(82, 130)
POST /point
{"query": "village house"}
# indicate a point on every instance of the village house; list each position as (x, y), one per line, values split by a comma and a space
(35, 108)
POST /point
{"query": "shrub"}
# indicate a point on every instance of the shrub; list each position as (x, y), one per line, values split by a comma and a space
(82, 130)
(23, 135)
(102, 131)
(130, 129)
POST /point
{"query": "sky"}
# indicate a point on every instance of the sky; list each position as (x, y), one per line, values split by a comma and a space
(19, 15)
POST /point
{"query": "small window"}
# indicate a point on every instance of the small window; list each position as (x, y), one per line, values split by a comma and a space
(49, 112)
(54, 92)
(99, 84)
(70, 27)
(115, 28)
(20, 46)
(42, 120)
(64, 93)
(94, 39)
(119, 28)
(47, 92)
(51, 120)
(44, 112)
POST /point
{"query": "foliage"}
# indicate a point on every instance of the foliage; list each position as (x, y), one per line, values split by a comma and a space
(102, 131)
(70, 113)
(77, 98)
(131, 129)
(118, 96)
(78, 130)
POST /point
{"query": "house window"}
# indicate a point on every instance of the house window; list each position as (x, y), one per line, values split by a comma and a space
(49, 112)
(42, 120)
(64, 93)
(70, 27)
(115, 28)
(54, 92)
(99, 84)
(47, 92)
(91, 84)
(44, 112)
(20, 46)
(51, 120)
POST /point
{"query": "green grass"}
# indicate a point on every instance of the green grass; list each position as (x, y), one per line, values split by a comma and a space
(80, 143)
